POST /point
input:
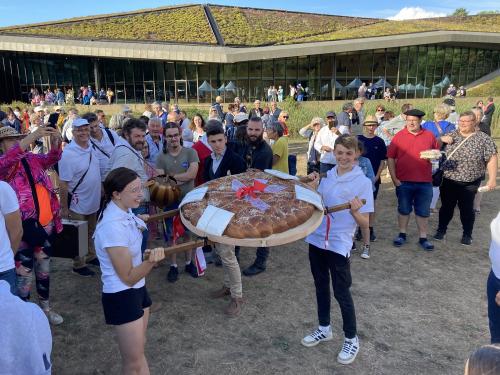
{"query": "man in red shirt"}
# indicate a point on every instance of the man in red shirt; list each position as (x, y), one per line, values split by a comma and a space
(412, 176)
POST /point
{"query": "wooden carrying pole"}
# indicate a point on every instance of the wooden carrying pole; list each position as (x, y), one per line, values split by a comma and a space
(340, 207)
(162, 215)
(183, 247)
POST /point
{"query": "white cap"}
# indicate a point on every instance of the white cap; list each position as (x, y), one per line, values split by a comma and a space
(240, 117)
(126, 109)
(77, 122)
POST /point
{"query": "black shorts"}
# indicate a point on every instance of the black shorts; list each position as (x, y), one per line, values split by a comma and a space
(125, 306)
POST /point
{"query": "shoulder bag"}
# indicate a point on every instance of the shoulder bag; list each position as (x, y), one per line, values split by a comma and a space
(70, 194)
(437, 178)
(33, 232)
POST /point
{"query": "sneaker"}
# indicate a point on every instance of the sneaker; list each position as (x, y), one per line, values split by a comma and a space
(439, 236)
(316, 337)
(94, 262)
(84, 271)
(253, 270)
(366, 252)
(466, 240)
(399, 241)
(359, 235)
(426, 244)
(191, 269)
(349, 351)
(173, 274)
(54, 318)
(373, 237)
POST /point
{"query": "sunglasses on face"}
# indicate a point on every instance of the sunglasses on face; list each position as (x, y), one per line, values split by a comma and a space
(285, 117)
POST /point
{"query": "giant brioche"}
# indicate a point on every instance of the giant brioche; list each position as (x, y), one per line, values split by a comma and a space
(285, 212)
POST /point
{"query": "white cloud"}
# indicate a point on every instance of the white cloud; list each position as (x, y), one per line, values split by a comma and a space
(413, 13)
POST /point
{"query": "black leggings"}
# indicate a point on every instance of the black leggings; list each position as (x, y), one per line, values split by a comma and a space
(323, 264)
(461, 193)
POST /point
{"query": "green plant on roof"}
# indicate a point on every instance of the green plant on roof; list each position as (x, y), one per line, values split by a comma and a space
(253, 27)
(480, 23)
(180, 25)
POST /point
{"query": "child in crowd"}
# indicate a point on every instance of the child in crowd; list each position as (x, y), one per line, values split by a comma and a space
(363, 233)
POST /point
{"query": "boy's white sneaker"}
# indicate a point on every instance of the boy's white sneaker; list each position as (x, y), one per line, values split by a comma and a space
(349, 351)
(316, 337)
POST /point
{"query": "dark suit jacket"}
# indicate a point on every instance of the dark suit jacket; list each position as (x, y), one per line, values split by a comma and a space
(231, 162)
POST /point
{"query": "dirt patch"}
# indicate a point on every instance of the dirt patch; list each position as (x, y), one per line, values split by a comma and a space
(417, 312)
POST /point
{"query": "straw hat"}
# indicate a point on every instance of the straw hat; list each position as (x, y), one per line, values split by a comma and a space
(8, 132)
(370, 120)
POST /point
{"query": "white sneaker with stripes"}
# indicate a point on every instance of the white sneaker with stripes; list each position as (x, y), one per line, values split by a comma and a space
(349, 351)
(316, 337)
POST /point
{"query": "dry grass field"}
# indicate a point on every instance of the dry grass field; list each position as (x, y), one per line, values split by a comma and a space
(418, 312)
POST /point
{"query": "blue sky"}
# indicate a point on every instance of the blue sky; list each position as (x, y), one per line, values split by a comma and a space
(31, 11)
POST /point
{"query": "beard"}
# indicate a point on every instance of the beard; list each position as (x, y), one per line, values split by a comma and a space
(138, 146)
(253, 140)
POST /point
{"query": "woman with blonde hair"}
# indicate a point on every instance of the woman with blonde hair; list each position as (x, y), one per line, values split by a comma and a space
(116, 123)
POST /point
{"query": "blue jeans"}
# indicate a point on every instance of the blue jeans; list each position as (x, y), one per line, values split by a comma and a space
(10, 277)
(414, 195)
(141, 210)
(492, 288)
(325, 167)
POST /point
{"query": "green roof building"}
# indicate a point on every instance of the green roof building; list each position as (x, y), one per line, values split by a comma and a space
(170, 53)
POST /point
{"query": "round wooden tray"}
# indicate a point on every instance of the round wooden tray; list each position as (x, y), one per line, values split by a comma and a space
(283, 238)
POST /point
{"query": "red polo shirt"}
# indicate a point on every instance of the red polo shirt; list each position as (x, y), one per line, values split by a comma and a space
(405, 147)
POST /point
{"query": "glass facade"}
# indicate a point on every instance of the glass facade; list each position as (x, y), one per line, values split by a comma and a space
(416, 70)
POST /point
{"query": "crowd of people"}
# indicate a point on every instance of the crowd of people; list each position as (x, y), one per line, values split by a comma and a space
(59, 164)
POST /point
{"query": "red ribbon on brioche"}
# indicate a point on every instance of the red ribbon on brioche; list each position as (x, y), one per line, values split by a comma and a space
(250, 191)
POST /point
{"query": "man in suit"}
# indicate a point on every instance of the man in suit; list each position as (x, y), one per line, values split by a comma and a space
(223, 162)
(256, 111)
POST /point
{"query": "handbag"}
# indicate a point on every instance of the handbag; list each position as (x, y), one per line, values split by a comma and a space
(70, 195)
(437, 177)
(34, 233)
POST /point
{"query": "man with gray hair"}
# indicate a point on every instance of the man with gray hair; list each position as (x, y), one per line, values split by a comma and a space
(344, 122)
(358, 115)
(80, 188)
(154, 138)
(160, 112)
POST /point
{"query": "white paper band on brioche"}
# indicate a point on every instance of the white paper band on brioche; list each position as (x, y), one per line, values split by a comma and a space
(214, 220)
(279, 174)
(309, 196)
(195, 195)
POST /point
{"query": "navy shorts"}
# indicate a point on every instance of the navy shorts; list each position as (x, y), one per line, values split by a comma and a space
(125, 306)
(414, 196)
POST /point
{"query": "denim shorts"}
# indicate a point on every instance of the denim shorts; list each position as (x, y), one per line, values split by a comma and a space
(414, 195)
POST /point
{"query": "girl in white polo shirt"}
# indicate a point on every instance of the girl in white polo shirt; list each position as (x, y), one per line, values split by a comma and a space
(118, 239)
(330, 245)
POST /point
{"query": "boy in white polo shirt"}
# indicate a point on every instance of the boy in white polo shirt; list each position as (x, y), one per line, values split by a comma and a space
(80, 176)
(330, 245)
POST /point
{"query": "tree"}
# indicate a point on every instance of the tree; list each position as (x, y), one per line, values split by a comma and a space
(460, 12)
